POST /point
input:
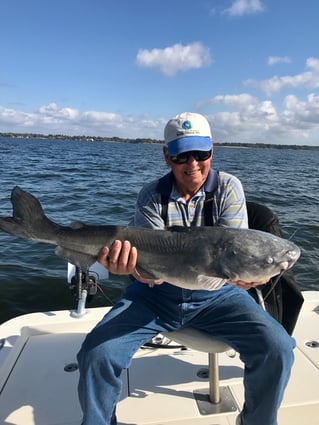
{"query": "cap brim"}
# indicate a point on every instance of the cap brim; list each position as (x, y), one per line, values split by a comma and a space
(189, 143)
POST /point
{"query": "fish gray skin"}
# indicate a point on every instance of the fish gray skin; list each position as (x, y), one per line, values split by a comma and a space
(186, 257)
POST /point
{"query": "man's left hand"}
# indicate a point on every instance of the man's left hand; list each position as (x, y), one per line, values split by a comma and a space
(247, 285)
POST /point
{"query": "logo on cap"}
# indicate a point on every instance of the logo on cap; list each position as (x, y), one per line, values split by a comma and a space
(187, 125)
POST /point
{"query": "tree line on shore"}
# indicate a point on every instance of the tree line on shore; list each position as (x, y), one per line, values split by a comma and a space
(146, 140)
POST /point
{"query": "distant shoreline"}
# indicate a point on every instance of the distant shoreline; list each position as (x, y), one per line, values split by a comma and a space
(148, 141)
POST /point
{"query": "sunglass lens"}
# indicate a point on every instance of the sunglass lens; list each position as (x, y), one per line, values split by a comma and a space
(182, 158)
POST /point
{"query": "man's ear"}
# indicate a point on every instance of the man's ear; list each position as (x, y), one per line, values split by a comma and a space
(166, 156)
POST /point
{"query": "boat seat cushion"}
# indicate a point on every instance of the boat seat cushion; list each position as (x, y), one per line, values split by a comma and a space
(197, 340)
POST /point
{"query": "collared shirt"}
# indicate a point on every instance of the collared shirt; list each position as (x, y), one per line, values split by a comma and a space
(229, 205)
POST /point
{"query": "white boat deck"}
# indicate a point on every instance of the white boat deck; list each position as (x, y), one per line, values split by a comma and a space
(35, 388)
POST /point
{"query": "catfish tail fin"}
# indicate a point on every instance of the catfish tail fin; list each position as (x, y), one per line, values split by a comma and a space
(26, 207)
(28, 220)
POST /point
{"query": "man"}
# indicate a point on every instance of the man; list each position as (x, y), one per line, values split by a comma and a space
(144, 310)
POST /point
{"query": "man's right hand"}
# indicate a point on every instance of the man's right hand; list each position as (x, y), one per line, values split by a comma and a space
(121, 259)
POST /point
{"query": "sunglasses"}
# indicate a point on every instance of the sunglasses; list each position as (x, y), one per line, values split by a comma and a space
(182, 158)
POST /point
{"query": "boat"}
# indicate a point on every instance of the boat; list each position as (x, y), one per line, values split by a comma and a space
(168, 382)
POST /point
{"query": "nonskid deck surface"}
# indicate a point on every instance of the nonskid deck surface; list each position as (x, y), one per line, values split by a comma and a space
(38, 376)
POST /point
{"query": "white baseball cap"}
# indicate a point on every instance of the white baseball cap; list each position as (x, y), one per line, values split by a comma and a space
(187, 132)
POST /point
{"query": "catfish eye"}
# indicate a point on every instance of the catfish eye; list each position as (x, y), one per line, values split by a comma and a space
(269, 260)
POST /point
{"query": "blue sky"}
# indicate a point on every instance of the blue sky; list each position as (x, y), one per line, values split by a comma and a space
(124, 67)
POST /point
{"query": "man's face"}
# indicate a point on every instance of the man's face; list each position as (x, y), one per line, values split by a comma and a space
(191, 175)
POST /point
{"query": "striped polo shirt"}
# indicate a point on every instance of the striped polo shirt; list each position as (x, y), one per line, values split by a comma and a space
(229, 205)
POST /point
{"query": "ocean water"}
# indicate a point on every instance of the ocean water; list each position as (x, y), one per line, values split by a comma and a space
(97, 183)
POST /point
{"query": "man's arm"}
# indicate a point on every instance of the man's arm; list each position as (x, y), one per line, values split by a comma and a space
(231, 202)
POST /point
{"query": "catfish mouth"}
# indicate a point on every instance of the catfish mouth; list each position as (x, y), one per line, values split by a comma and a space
(287, 263)
(294, 254)
(274, 268)
(291, 257)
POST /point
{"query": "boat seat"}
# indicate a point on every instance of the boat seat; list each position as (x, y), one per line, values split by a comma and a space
(201, 341)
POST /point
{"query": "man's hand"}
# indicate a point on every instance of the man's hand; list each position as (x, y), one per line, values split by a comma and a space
(247, 285)
(121, 259)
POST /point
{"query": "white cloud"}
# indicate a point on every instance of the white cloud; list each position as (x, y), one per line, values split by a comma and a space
(272, 60)
(308, 79)
(173, 59)
(248, 119)
(51, 119)
(244, 7)
(240, 118)
(57, 114)
(240, 101)
(313, 64)
(303, 112)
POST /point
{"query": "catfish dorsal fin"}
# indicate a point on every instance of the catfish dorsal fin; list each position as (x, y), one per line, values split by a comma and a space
(180, 229)
(76, 225)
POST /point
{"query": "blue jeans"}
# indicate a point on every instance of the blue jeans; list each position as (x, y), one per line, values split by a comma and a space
(229, 314)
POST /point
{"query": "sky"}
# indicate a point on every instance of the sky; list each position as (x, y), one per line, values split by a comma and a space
(123, 68)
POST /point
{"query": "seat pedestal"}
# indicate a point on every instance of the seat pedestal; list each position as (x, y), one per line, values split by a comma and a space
(214, 399)
(226, 402)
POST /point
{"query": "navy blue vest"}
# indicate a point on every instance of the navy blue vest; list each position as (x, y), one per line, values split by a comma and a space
(164, 187)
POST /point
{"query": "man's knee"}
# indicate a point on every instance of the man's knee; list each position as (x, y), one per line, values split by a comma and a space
(278, 344)
(93, 350)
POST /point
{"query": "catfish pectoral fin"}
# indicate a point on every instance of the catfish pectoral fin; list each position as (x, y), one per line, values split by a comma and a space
(77, 258)
(144, 273)
(210, 283)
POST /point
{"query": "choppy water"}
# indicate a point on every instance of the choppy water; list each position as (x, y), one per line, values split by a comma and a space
(97, 182)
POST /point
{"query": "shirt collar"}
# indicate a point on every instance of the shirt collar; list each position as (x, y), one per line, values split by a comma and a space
(166, 184)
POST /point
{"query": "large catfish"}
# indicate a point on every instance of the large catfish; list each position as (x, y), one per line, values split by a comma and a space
(186, 257)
